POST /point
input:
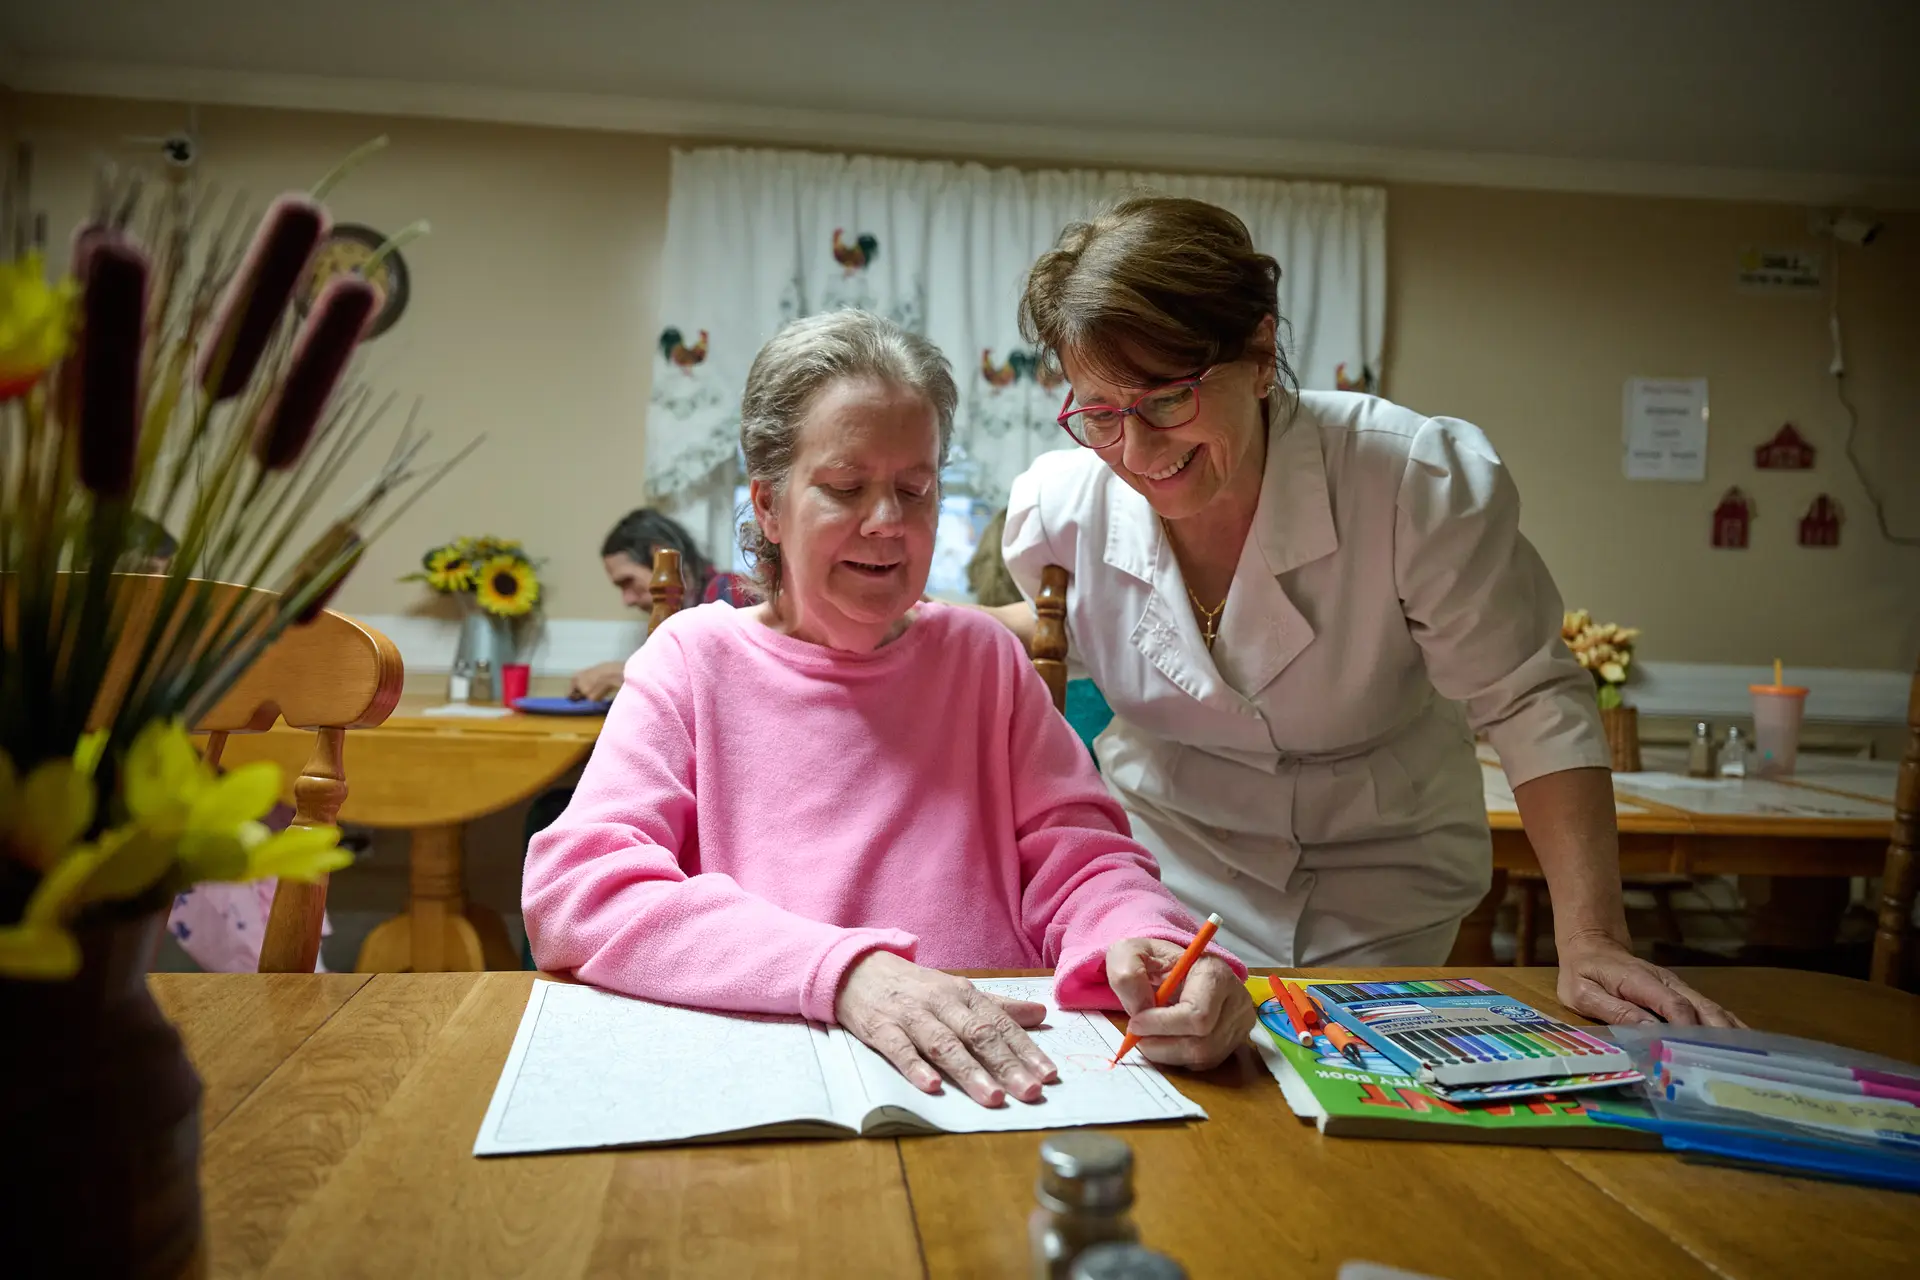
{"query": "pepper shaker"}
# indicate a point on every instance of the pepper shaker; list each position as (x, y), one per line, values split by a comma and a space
(483, 687)
(1084, 1192)
(1702, 753)
(1114, 1261)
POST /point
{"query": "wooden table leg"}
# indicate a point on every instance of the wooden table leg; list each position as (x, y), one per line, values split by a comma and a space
(1474, 945)
(441, 931)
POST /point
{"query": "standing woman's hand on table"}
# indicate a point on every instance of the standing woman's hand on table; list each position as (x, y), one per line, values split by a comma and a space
(920, 1019)
(1210, 1018)
(1602, 979)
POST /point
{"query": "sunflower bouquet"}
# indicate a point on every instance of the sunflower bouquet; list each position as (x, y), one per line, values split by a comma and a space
(496, 572)
(163, 383)
(1603, 649)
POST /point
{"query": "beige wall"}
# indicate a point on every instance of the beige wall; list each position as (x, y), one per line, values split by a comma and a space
(532, 322)
(1524, 312)
(531, 317)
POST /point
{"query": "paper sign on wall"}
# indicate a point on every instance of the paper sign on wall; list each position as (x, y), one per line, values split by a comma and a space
(1780, 270)
(1664, 429)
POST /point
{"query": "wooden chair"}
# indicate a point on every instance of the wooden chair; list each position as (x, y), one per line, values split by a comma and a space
(1049, 648)
(329, 676)
(1900, 880)
(1048, 651)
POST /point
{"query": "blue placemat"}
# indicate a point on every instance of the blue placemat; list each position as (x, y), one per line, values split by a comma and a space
(560, 707)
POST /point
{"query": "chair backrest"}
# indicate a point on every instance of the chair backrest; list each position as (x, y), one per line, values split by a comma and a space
(1048, 650)
(1901, 878)
(669, 587)
(329, 675)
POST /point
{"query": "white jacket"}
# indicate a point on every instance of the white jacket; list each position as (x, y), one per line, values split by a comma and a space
(1313, 779)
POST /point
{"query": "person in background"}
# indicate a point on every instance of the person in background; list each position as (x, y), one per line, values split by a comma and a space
(627, 554)
(150, 547)
(987, 577)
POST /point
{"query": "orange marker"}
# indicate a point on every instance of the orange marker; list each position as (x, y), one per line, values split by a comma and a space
(1315, 1020)
(1291, 1000)
(1171, 987)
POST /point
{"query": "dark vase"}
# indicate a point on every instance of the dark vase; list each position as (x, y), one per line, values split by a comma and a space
(100, 1119)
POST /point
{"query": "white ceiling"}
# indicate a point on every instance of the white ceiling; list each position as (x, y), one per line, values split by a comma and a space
(1808, 87)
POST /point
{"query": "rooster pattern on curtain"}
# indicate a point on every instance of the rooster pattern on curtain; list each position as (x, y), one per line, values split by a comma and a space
(758, 238)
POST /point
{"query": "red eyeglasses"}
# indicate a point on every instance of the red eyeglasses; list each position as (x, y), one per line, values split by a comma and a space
(1099, 426)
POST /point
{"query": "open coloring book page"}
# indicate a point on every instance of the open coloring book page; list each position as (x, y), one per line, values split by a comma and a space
(592, 1069)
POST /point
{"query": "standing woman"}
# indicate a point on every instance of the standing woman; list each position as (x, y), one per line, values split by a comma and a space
(1300, 605)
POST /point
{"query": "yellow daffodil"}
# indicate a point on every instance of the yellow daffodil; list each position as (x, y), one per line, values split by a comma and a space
(184, 817)
(36, 322)
(40, 946)
(507, 586)
(43, 814)
(212, 820)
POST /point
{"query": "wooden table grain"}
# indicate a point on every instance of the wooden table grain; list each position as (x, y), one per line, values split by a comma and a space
(342, 1113)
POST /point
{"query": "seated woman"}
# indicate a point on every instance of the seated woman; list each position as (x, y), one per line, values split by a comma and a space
(813, 805)
(627, 556)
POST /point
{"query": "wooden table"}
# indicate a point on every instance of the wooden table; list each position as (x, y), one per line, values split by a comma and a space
(430, 775)
(341, 1109)
(1833, 818)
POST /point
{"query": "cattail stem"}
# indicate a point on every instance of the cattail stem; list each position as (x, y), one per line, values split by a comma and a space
(332, 331)
(275, 263)
(394, 243)
(114, 316)
(322, 188)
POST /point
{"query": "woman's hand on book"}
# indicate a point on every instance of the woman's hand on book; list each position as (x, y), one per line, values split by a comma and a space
(920, 1019)
(1210, 1017)
(1600, 978)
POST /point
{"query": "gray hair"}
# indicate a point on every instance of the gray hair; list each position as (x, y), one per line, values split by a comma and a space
(800, 362)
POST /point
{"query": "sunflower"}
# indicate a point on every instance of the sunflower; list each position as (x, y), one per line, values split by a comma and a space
(507, 587)
(449, 569)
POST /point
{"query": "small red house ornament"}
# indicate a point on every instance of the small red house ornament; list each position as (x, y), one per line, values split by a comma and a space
(1820, 527)
(1785, 452)
(1730, 520)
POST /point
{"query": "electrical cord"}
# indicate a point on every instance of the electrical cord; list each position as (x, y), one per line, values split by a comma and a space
(1838, 368)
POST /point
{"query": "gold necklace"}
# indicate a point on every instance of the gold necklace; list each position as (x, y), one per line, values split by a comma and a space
(1209, 618)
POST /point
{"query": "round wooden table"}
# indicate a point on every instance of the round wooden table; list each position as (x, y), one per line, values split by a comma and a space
(429, 775)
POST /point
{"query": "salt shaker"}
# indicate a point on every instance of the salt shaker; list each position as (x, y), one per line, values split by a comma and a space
(460, 681)
(1112, 1261)
(1733, 756)
(1084, 1193)
(1702, 753)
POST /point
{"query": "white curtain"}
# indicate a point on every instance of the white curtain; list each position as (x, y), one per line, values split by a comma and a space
(756, 238)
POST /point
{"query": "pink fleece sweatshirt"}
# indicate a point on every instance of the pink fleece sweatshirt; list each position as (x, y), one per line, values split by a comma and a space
(760, 812)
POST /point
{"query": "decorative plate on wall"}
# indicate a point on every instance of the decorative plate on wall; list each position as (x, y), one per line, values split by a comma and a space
(347, 249)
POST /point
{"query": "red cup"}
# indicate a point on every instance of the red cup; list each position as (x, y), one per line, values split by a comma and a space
(513, 682)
